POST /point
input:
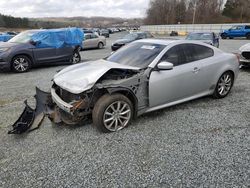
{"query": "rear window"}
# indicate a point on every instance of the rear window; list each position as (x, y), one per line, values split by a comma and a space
(137, 54)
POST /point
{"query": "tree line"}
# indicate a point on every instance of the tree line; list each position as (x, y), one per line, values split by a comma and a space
(14, 22)
(197, 11)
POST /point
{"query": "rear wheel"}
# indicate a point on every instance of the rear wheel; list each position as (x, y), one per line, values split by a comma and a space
(224, 85)
(112, 113)
(20, 64)
(76, 58)
(100, 45)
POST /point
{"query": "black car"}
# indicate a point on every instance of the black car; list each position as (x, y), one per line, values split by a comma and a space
(130, 38)
(104, 32)
(21, 52)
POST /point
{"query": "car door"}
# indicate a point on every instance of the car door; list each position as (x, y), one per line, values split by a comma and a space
(237, 31)
(64, 54)
(44, 55)
(181, 82)
(87, 41)
(94, 40)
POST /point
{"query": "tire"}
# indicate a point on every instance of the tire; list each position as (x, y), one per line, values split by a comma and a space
(224, 85)
(76, 58)
(223, 36)
(116, 109)
(248, 36)
(100, 45)
(20, 64)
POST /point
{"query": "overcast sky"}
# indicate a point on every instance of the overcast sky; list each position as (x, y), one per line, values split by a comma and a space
(58, 8)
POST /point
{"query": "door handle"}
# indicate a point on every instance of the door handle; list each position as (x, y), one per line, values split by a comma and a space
(196, 69)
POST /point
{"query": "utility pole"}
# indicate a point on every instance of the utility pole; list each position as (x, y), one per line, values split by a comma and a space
(194, 12)
(241, 14)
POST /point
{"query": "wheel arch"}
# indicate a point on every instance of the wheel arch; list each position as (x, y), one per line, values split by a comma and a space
(24, 54)
(128, 93)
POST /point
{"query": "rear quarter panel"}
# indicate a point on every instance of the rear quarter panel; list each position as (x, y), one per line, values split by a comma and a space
(223, 62)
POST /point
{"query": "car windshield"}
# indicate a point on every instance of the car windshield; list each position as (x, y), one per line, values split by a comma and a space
(137, 54)
(200, 36)
(23, 37)
(131, 36)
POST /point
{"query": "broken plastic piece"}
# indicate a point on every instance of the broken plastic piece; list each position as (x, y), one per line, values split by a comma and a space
(24, 122)
(31, 119)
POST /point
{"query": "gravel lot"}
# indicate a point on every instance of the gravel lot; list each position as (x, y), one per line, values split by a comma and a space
(203, 143)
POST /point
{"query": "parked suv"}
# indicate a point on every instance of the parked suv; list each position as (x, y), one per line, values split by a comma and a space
(236, 31)
(38, 47)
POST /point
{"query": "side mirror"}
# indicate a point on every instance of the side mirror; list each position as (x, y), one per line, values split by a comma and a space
(33, 42)
(165, 66)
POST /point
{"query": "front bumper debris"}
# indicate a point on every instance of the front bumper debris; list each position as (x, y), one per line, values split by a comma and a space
(31, 119)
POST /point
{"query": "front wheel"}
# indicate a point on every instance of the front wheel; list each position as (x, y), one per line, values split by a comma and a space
(223, 36)
(224, 85)
(76, 58)
(112, 113)
(20, 64)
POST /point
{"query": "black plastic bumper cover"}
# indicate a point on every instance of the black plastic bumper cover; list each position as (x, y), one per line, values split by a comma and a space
(31, 119)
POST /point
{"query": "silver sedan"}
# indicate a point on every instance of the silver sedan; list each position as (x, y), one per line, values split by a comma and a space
(93, 40)
(143, 76)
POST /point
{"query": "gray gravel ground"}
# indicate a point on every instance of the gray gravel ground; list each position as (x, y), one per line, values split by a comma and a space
(203, 143)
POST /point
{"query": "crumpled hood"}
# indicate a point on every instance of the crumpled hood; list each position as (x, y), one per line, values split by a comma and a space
(246, 47)
(81, 77)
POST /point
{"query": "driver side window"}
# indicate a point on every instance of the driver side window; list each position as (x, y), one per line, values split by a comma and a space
(173, 55)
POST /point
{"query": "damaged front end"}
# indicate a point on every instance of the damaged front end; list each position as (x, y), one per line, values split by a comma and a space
(64, 106)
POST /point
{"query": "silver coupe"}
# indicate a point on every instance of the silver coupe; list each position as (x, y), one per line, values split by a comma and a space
(143, 76)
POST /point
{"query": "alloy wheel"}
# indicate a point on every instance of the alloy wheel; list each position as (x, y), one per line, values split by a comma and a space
(76, 58)
(21, 64)
(117, 116)
(225, 84)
